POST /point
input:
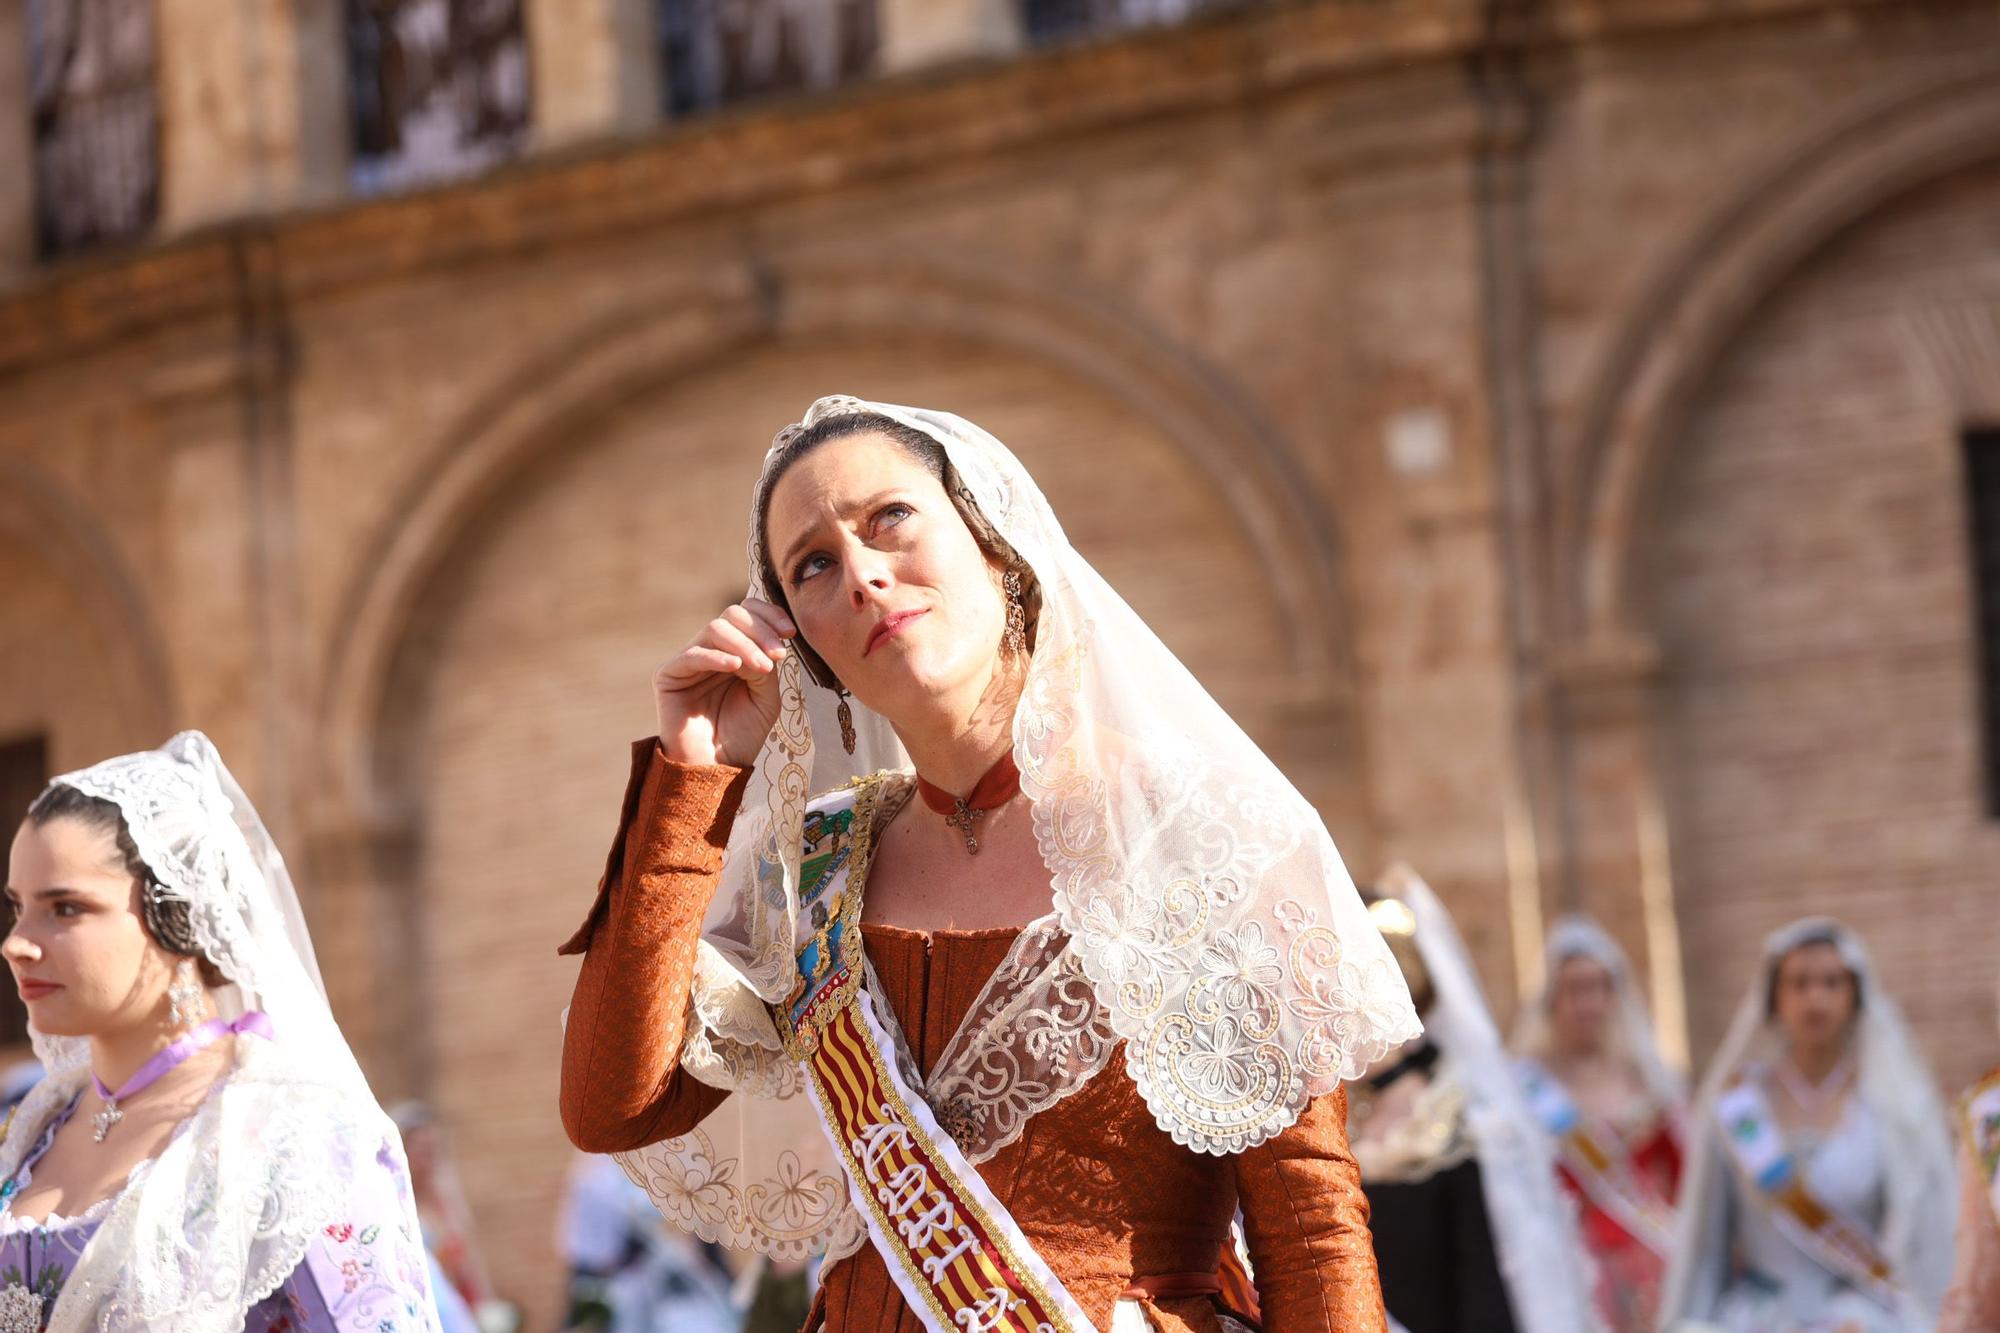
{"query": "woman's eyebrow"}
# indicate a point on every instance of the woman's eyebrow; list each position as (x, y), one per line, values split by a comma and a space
(812, 533)
(54, 891)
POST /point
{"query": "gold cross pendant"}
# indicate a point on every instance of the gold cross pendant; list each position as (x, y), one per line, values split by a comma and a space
(962, 819)
(104, 1120)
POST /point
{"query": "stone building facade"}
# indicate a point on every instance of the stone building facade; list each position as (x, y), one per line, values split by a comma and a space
(1543, 422)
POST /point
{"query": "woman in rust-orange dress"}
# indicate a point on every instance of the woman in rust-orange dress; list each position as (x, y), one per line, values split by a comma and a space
(1107, 978)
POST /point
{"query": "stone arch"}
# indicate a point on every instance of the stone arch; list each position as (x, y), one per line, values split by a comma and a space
(42, 515)
(1813, 592)
(633, 350)
(1703, 295)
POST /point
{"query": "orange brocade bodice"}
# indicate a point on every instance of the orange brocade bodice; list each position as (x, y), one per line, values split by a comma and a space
(1097, 1187)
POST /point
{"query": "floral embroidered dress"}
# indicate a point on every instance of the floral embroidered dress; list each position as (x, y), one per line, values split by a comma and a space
(1124, 1215)
(361, 1273)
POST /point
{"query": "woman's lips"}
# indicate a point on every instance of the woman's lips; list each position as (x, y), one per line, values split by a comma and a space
(35, 990)
(890, 627)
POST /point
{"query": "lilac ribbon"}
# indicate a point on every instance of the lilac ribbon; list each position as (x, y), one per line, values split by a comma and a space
(256, 1022)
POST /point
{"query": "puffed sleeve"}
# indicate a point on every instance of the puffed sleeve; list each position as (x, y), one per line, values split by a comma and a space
(1306, 1223)
(622, 1085)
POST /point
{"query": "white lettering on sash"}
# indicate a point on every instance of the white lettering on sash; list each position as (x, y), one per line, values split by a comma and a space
(905, 1192)
(923, 1214)
(878, 1140)
(967, 1242)
(906, 1176)
(933, 1224)
(988, 1312)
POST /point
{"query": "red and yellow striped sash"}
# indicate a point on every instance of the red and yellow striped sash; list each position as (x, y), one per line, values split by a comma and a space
(959, 1259)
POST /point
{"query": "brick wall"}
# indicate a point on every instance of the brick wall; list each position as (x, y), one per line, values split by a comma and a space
(1816, 618)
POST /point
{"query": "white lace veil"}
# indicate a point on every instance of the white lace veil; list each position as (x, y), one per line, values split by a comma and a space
(1210, 923)
(224, 1214)
(1548, 1272)
(1895, 1084)
(1631, 1037)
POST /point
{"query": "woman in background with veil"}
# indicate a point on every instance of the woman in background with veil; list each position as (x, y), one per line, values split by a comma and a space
(204, 1153)
(1472, 1230)
(1596, 1081)
(1108, 974)
(1819, 1185)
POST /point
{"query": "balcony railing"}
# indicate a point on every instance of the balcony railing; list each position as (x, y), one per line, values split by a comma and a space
(1049, 22)
(96, 122)
(722, 51)
(439, 89)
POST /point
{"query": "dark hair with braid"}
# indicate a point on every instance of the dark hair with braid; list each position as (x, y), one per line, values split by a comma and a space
(167, 918)
(1826, 938)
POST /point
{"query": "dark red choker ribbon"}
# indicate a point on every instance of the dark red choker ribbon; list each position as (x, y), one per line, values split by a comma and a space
(1001, 784)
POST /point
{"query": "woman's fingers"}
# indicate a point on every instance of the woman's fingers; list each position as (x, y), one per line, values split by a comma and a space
(703, 717)
(702, 661)
(763, 625)
(756, 660)
(759, 629)
(770, 615)
(747, 640)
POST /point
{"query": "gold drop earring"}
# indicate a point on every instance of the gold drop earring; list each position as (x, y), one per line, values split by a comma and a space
(846, 715)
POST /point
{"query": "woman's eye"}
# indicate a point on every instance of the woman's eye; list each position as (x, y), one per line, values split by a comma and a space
(893, 514)
(808, 567)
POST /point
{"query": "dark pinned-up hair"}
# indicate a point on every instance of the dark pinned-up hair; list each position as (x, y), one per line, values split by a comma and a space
(805, 440)
(1826, 937)
(166, 916)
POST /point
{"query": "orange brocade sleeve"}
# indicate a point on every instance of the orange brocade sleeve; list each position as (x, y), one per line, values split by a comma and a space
(622, 1085)
(1306, 1221)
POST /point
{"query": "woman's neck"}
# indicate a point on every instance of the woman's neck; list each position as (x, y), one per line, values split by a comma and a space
(1578, 1050)
(116, 1056)
(955, 746)
(1817, 1060)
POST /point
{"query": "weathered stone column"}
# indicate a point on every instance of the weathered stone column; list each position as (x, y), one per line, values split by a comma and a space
(595, 67)
(253, 107)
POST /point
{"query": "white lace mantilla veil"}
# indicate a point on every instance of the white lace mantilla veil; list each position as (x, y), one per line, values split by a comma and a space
(1894, 1083)
(1201, 913)
(1549, 1275)
(1632, 1033)
(226, 1212)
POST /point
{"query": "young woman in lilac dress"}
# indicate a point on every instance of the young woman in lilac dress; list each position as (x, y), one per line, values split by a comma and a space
(204, 1152)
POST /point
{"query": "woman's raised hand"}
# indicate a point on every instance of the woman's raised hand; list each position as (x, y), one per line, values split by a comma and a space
(718, 698)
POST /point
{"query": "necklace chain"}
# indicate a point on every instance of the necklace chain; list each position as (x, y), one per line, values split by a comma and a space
(1814, 1098)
